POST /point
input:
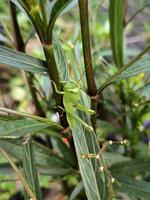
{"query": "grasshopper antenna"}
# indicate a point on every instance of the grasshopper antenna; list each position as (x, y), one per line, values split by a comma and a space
(82, 87)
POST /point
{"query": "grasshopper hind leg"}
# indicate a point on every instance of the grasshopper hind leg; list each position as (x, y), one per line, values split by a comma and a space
(73, 120)
(83, 108)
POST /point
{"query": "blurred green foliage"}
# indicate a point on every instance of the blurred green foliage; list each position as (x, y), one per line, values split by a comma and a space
(116, 120)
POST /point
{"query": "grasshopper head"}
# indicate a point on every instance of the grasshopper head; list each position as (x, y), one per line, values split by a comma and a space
(71, 87)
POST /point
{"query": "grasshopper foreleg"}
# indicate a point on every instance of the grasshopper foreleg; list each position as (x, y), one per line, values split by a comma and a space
(55, 87)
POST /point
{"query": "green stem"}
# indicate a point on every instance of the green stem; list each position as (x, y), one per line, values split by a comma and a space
(38, 107)
(54, 76)
(84, 15)
(92, 89)
(35, 19)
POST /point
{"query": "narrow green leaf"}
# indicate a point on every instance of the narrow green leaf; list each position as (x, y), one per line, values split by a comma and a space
(30, 116)
(93, 180)
(7, 118)
(114, 158)
(5, 168)
(95, 183)
(55, 171)
(57, 8)
(61, 60)
(17, 2)
(76, 191)
(29, 167)
(19, 174)
(50, 7)
(66, 152)
(137, 62)
(116, 14)
(31, 9)
(136, 167)
(70, 6)
(16, 59)
(138, 189)
(48, 162)
(19, 128)
(141, 66)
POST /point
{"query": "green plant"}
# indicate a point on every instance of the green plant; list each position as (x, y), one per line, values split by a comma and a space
(93, 161)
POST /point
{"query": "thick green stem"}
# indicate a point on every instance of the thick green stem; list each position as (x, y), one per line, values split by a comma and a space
(33, 12)
(92, 89)
(54, 76)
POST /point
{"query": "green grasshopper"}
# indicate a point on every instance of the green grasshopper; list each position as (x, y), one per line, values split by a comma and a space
(71, 98)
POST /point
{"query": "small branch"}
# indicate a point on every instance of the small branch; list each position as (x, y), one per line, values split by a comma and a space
(19, 43)
(84, 20)
(38, 107)
(125, 9)
(34, 17)
(137, 12)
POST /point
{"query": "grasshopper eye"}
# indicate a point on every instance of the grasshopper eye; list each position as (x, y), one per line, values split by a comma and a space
(75, 90)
